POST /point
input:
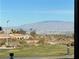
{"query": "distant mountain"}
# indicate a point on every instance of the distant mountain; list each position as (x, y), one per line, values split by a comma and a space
(49, 27)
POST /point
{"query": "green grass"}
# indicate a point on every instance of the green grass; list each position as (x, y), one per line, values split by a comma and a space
(47, 50)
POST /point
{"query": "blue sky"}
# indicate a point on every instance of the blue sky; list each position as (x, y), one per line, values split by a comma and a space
(21, 12)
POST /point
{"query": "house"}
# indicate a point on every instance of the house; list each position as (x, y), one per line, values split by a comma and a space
(4, 36)
(14, 36)
(19, 36)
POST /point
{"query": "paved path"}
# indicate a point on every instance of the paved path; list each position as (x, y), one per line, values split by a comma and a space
(59, 57)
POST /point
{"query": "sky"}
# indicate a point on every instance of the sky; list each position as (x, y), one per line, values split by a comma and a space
(20, 12)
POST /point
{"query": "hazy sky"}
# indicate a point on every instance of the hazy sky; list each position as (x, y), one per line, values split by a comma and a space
(21, 12)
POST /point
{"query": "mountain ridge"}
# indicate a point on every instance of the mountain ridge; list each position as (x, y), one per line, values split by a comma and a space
(48, 26)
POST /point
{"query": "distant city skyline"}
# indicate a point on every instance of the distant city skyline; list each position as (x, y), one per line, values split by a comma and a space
(20, 12)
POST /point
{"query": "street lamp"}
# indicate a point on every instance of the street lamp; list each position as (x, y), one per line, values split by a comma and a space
(7, 43)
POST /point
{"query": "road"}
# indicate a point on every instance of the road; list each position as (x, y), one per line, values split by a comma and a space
(59, 57)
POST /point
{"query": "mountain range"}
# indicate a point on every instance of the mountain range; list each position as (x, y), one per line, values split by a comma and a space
(49, 27)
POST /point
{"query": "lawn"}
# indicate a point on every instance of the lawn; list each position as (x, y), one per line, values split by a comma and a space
(46, 50)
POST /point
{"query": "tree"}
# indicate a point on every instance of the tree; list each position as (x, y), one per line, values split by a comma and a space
(13, 31)
(33, 32)
(43, 40)
(21, 31)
